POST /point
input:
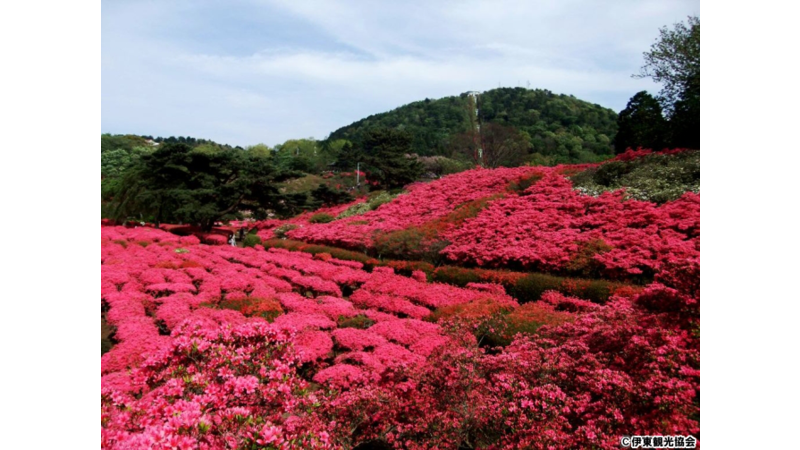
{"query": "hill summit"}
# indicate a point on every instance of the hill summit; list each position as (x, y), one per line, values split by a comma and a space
(560, 128)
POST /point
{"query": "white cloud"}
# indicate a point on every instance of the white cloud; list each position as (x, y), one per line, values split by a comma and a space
(375, 56)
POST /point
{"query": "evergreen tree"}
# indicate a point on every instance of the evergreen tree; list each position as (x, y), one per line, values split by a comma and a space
(674, 60)
(177, 183)
(388, 159)
(349, 157)
(641, 124)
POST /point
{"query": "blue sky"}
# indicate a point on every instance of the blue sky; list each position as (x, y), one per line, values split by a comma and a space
(248, 72)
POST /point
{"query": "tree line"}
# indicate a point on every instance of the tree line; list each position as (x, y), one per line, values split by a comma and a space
(672, 117)
(198, 181)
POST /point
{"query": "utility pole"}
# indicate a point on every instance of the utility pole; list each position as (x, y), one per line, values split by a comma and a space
(358, 175)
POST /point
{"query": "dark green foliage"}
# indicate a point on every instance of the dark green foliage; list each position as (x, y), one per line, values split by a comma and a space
(291, 204)
(493, 145)
(306, 155)
(531, 287)
(251, 240)
(430, 122)
(327, 196)
(361, 321)
(181, 184)
(412, 243)
(641, 124)
(685, 122)
(188, 140)
(457, 276)
(408, 267)
(106, 335)
(386, 158)
(674, 61)
(321, 218)
(597, 291)
(656, 177)
(118, 153)
(558, 126)
(349, 157)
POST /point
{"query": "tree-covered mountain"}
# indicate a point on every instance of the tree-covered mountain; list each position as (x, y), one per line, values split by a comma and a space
(560, 128)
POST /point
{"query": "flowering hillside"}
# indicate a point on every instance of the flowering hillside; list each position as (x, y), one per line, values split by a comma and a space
(225, 347)
(551, 227)
(423, 203)
(532, 218)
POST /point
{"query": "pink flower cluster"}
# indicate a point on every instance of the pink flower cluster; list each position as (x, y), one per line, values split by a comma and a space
(423, 203)
(231, 387)
(547, 227)
(617, 370)
(153, 281)
(187, 371)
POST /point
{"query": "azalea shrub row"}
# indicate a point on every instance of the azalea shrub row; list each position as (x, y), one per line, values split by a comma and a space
(526, 218)
(223, 347)
(524, 286)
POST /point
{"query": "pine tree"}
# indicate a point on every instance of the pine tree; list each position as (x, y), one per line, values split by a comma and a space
(641, 124)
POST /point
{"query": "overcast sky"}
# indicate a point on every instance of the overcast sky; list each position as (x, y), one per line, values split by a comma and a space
(248, 72)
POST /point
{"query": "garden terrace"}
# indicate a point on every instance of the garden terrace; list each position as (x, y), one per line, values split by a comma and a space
(218, 346)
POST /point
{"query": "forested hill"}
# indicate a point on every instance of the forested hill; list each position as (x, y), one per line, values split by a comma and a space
(560, 128)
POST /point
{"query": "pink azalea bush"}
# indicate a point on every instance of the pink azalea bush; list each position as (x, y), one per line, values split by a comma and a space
(547, 228)
(345, 356)
(424, 202)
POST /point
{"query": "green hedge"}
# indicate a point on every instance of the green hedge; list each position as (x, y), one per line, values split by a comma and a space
(529, 287)
(321, 218)
(524, 286)
(251, 240)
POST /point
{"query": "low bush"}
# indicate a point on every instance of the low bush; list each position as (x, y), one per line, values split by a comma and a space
(526, 319)
(523, 286)
(355, 210)
(413, 243)
(330, 195)
(529, 287)
(458, 276)
(321, 218)
(361, 322)
(281, 231)
(408, 267)
(655, 177)
(251, 240)
(377, 199)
